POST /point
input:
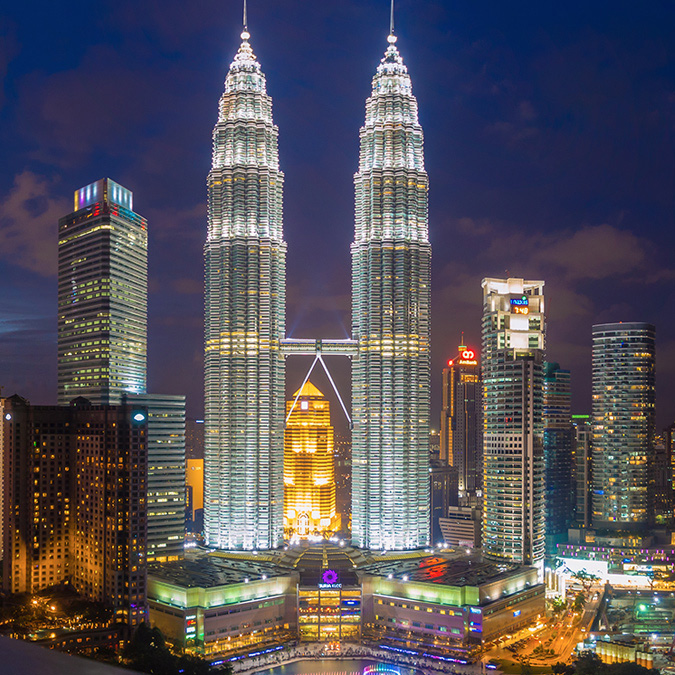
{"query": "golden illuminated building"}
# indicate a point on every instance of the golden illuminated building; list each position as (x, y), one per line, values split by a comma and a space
(309, 476)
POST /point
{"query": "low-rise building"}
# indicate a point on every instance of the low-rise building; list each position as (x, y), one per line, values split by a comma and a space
(227, 604)
(441, 602)
(222, 603)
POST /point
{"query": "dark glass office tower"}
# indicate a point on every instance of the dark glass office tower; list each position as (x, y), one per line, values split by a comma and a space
(558, 454)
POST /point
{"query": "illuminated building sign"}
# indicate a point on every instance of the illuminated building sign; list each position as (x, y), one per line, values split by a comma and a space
(520, 305)
(467, 357)
(330, 579)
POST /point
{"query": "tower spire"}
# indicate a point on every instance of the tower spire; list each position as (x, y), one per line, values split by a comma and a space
(246, 17)
(391, 19)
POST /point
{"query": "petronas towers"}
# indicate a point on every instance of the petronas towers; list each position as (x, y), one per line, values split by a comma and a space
(245, 310)
(245, 307)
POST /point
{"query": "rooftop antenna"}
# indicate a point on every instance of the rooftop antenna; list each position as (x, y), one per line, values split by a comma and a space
(246, 17)
(391, 19)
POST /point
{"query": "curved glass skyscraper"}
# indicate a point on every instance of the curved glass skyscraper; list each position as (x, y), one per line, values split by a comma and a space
(245, 269)
(390, 316)
(623, 424)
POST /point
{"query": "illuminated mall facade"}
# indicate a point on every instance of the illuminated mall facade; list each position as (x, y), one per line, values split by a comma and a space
(229, 605)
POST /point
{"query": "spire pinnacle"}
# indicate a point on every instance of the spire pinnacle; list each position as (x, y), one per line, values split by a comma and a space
(245, 35)
(391, 19)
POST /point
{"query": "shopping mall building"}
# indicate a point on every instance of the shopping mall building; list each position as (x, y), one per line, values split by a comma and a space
(222, 605)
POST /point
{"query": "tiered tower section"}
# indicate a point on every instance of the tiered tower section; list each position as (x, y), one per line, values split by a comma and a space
(245, 260)
(390, 303)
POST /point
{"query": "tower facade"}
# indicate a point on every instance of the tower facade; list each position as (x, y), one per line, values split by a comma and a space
(166, 481)
(245, 304)
(512, 364)
(103, 296)
(623, 423)
(461, 420)
(309, 473)
(391, 259)
(583, 470)
(558, 454)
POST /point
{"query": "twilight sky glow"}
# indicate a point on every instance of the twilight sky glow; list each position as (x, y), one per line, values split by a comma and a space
(549, 131)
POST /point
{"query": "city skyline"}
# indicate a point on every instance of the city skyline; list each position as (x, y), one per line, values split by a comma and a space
(583, 289)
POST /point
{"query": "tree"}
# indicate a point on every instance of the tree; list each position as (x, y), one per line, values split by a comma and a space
(579, 602)
(558, 604)
(147, 652)
(561, 668)
(589, 663)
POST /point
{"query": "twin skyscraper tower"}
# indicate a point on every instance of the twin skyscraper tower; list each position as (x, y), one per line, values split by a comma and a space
(245, 318)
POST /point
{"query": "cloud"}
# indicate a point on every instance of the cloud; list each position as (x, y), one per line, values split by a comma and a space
(104, 104)
(29, 224)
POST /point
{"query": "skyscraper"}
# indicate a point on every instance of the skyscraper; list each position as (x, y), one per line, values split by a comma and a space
(103, 296)
(245, 269)
(512, 364)
(623, 423)
(75, 508)
(583, 470)
(309, 474)
(461, 420)
(390, 316)
(558, 454)
(166, 474)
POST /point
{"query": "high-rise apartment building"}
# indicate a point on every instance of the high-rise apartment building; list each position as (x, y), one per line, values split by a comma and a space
(102, 296)
(512, 367)
(462, 420)
(245, 296)
(390, 316)
(583, 470)
(558, 454)
(166, 474)
(309, 473)
(623, 423)
(75, 502)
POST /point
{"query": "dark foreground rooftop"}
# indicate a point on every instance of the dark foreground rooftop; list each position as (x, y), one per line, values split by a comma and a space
(23, 658)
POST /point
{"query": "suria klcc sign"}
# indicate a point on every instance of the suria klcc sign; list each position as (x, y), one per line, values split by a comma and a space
(330, 579)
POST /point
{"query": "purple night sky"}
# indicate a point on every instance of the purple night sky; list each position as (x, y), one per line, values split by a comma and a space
(549, 132)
